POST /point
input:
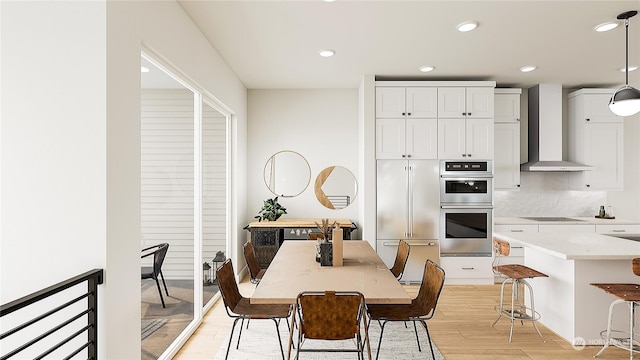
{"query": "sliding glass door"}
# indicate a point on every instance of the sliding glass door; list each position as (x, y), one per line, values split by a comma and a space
(184, 204)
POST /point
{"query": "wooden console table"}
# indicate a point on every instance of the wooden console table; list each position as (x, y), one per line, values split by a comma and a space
(267, 236)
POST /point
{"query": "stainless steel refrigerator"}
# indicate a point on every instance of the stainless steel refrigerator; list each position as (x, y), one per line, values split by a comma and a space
(408, 207)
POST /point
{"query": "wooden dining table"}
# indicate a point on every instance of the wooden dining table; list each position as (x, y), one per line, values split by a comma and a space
(294, 269)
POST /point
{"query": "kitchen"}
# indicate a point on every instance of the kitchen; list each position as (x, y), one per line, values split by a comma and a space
(304, 126)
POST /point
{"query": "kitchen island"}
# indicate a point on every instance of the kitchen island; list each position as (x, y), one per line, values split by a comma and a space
(567, 303)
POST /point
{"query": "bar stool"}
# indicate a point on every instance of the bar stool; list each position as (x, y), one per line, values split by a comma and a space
(516, 274)
(627, 294)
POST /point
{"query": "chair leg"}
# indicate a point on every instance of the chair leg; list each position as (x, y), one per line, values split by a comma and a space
(160, 292)
(533, 309)
(415, 328)
(164, 283)
(240, 335)
(433, 354)
(501, 305)
(279, 338)
(380, 341)
(231, 336)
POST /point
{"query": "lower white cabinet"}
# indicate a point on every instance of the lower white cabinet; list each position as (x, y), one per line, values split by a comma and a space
(573, 228)
(618, 229)
(467, 270)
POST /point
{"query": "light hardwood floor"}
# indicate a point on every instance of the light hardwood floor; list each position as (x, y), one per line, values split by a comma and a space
(460, 329)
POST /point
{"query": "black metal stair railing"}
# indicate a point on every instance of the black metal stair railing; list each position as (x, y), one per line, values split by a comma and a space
(30, 330)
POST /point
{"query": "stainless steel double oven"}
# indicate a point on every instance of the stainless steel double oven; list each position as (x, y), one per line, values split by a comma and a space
(466, 207)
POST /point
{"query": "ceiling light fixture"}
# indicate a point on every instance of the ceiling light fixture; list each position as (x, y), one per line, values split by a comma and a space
(626, 100)
(426, 68)
(528, 68)
(631, 68)
(467, 26)
(606, 26)
(144, 69)
(327, 53)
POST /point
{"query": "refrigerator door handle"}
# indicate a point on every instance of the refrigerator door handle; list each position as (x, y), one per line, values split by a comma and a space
(410, 186)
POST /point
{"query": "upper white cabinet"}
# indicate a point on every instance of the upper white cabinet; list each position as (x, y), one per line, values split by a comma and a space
(465, 102)
(506, 160)
(596, 138)
(402, 102)
(434, 120)
(465, 138)
(406, 123)
(465, 122)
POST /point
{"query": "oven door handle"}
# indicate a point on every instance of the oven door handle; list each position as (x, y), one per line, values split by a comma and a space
(466, 176)
(466, 206)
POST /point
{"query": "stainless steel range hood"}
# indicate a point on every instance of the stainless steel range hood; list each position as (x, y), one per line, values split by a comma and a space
(545, 131)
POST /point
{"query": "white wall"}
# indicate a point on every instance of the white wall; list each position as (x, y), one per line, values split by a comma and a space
(70, 142)
(53, 180)
(321, 125)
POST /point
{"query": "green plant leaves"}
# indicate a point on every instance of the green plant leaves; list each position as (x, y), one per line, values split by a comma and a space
(271, 210)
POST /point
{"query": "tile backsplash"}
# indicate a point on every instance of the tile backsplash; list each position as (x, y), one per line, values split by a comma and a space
(547, 194)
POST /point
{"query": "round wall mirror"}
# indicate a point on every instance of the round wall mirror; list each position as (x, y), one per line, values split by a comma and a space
(336, 187)
(287, 173)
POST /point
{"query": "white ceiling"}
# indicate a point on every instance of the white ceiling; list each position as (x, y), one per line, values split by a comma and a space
(275, 44)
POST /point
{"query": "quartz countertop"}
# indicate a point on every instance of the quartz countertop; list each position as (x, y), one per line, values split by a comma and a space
(576, 246)
(498, 220)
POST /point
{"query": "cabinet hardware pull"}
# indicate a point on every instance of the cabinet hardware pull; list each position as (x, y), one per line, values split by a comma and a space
(409, 156)
(618, 230)
(588, 185)
(588, 119)
(464, 155)
(518, 185)
(517, 119)
(409, 114)
(403, 114)
(517, 230)
(404, 155)
(469, 155)
(468, 268)
(469, 114)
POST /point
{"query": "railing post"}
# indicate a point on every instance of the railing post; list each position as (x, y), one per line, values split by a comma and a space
(92, 333)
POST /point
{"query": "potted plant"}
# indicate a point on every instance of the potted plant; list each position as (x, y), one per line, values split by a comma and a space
(271, 210)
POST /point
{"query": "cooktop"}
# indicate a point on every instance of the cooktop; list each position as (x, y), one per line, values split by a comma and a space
(550, 218)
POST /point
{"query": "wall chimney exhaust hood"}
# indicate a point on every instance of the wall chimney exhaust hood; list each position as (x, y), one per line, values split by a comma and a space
(545, 131)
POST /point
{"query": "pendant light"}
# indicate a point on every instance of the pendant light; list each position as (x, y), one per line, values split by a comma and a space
(626, 100)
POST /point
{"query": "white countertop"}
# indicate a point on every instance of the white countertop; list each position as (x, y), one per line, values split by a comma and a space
(498, 220)
(576, 246)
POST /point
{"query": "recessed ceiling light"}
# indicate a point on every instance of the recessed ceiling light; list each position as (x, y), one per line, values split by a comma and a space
(528, 68)
(606, 26)
(467, 26)
(631, 68)
(327, 53)
(426, 68)
(144, 69)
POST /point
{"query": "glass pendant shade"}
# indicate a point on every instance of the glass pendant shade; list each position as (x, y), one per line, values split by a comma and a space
(625, 101)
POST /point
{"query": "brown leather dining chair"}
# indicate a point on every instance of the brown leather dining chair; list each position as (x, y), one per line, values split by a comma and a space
(402, 256)
(255, 272)
(155, 270)
(421, 309)
(240, 308)
(331, 316)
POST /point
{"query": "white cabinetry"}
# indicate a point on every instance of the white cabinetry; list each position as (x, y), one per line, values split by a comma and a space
(465, 102)
(506, 160)
(465, 122)
(465, 138)
(567, 228)
(467, 270)
(595, 139)
(406, 123)
(618, 229)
